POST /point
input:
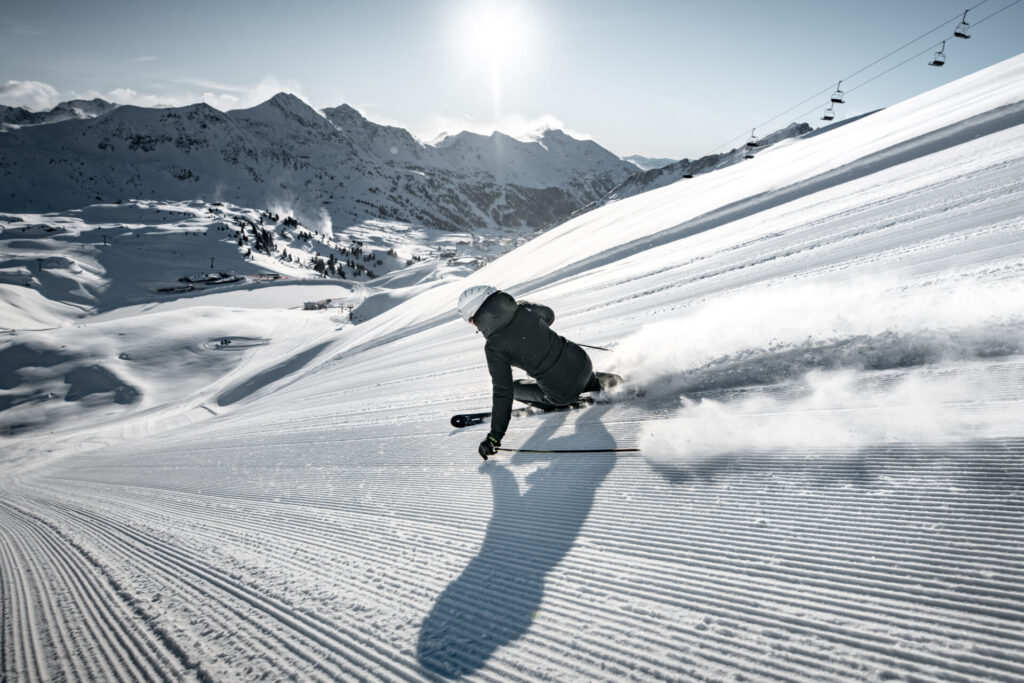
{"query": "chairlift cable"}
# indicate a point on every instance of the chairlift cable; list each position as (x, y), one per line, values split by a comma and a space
(913, 57)
(892, 68)
(998, 11)
(922, 52)
(860, 85)
(861, 70)
(906, 45)
(926, 50)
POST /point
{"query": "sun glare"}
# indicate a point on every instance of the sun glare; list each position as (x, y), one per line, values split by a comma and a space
(496, 32)
(496, 40)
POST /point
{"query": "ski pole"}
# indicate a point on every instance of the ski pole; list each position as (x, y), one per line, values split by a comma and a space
(570, 450)
(588, 346)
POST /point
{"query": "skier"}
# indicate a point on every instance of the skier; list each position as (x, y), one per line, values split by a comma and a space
(518, 334)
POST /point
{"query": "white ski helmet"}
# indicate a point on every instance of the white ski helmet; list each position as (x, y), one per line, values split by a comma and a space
(472, 299)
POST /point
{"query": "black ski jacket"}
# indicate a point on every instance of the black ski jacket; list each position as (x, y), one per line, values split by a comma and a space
(519, 335)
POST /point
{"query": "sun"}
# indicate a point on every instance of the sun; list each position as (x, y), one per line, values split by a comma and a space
(496, 42)
(496, 33)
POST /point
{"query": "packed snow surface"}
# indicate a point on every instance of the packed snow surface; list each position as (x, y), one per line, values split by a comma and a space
(828, 347)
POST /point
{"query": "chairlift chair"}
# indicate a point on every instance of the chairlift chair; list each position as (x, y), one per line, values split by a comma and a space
(962, 29)
(837, 96)
(940, 56)
(829, 114)
(752, 142)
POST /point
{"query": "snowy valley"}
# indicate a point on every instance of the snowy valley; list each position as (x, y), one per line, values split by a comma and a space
(203, 478)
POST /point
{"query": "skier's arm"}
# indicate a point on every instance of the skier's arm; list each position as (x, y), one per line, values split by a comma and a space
(501, 397)
(541, 311)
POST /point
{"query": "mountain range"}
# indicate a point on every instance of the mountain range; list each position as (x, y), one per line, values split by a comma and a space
(335, 165)
(329, 168)
(72, 109)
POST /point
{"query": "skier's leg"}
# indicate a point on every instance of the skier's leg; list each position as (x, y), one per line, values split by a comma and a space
(531, 394)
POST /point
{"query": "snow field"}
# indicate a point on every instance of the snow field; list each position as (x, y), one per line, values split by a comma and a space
(829, 489)
(94, 328)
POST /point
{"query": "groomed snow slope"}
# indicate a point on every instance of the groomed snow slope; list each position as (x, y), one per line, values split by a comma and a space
(831, 340)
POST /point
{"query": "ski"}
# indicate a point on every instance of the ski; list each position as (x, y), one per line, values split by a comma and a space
(469, 419)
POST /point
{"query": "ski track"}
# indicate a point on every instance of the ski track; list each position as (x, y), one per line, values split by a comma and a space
(79, 628)
(845, 572)
(692, 591)
(869, 542)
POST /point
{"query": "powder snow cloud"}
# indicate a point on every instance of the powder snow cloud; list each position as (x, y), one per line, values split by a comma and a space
(828, 346)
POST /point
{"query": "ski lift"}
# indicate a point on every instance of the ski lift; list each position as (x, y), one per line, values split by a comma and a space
(829, 114)
(751, 144)
(837, 96)
(940, 56)
(962, 29)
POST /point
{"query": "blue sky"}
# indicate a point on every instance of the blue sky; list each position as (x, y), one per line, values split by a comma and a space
(658, 78)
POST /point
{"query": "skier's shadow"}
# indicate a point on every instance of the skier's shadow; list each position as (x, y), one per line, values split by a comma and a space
(496, 598)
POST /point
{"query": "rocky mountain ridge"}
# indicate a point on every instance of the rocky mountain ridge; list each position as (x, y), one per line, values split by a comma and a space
(330, 168)
(72, 109)
(666, 175)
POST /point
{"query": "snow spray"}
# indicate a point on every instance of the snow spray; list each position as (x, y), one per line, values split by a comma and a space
(829, 365)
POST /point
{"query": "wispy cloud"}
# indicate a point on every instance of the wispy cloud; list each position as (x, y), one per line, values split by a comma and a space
(143, 58)
(208, 84)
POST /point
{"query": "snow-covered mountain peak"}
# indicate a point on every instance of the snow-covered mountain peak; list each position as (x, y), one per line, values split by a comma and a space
(147, 128)
(461, 139)
(550, 135)
(288, 102)
(469, 138)
(534, 135)
(71, 109)
(282, 108)
(648, 163)
(552, 160)
(437, 139)
(85, 109)
(387, 144)
(283, 152)
(344, 115)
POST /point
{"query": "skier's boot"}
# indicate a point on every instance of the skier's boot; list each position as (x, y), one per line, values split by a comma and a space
(607, 380)
(602, 381)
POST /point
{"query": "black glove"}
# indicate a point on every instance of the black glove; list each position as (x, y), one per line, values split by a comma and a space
(488, 446)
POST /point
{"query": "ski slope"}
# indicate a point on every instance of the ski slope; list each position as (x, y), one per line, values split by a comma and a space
(830, 341)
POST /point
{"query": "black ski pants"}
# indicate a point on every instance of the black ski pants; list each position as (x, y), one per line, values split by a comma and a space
(529, 392)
